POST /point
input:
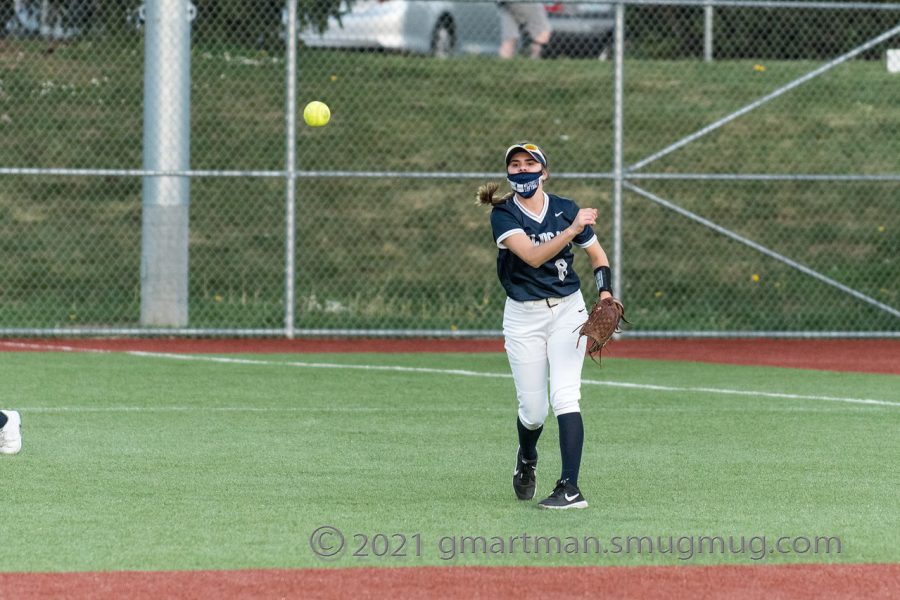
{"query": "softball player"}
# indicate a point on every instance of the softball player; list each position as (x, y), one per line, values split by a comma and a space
(10, 432)
(534, 232)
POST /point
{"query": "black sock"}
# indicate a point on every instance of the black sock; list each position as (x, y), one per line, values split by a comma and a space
(571, 439)
(3, 420)
(528, 439)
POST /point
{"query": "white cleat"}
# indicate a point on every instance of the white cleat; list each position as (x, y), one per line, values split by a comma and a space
(11, 433)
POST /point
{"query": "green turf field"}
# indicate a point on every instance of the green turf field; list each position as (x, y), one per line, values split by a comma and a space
(156, 462)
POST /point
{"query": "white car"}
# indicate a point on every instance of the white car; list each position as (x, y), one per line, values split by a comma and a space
(447, 28)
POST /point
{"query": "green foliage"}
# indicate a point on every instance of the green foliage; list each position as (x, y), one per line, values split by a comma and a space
(676, 32)
(254, 24)
(258, 24)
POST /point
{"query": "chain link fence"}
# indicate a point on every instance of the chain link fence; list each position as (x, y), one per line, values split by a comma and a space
(743, 156)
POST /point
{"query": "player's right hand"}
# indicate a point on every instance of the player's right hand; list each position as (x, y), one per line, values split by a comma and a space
(585, 217)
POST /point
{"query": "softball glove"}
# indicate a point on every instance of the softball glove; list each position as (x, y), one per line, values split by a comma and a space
(604, 321)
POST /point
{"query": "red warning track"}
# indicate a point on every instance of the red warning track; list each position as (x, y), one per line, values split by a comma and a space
(861, 355)
(729, 582)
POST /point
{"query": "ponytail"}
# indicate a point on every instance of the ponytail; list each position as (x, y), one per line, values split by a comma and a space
(486, 193)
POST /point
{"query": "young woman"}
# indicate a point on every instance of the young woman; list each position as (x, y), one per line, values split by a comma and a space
(10, 432)
(534, 232)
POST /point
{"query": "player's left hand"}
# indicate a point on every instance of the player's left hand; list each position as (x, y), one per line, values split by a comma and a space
(602, 323)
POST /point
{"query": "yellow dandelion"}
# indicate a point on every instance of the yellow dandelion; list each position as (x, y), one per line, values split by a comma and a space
(454, 328)
(658, 294)
(755, 277)
(759, 68)
(882, 229)
(333, 78)
(218, 298)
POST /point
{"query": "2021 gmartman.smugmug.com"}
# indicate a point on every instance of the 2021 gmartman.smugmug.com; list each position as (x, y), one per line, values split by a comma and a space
(328, 541)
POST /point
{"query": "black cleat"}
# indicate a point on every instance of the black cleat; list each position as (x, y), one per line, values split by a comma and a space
(565, 495)
(523, 477)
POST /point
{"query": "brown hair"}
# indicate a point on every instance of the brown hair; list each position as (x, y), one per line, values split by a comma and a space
(486, 193)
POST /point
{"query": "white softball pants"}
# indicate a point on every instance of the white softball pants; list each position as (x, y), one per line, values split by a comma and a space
(539, 338)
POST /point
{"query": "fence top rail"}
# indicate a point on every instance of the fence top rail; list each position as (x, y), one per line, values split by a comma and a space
(888, 6)
(57, 171)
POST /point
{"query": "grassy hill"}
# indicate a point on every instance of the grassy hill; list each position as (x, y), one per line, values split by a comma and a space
(416, 252)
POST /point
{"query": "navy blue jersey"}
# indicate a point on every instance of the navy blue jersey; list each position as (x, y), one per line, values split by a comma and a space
(555, 278)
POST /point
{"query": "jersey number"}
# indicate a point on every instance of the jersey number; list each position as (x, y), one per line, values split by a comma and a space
(562, 268)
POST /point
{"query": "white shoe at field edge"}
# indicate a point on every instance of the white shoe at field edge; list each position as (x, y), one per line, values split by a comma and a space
(11, 433)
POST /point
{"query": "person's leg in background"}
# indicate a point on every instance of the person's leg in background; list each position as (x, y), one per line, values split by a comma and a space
(509, 32)
(533, 18)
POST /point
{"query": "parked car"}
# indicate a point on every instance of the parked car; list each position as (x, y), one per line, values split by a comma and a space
(580, 29)
(447, 28)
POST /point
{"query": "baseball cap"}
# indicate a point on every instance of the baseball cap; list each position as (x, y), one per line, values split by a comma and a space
(532, 149)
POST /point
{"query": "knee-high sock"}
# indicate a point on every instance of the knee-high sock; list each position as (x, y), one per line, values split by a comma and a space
(571, 439)
(528, 439)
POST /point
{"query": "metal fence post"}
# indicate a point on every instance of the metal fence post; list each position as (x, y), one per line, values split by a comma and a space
(290, 167)
(617, 150)
(166, 198)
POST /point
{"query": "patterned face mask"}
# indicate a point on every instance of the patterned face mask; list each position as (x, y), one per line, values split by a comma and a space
(525, 184)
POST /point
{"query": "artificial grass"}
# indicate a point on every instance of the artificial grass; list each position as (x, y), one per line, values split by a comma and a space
(136, 462)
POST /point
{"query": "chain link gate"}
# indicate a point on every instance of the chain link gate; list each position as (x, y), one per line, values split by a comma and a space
(747, 176)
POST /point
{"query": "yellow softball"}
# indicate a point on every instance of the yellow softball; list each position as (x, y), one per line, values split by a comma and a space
(316, 114)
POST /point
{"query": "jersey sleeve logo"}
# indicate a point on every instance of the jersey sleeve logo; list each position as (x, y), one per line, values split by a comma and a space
(543, 238)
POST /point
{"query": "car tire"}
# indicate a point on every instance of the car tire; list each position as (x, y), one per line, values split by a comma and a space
(443, 38)
(597, 47)
(604, 48)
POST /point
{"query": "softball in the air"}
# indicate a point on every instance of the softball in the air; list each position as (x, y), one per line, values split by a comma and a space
(316, 114)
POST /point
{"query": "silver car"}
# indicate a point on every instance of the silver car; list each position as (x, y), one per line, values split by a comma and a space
(447, 28)
(580, 29)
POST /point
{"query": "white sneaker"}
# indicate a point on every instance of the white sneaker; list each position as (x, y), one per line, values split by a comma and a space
(11, 433)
